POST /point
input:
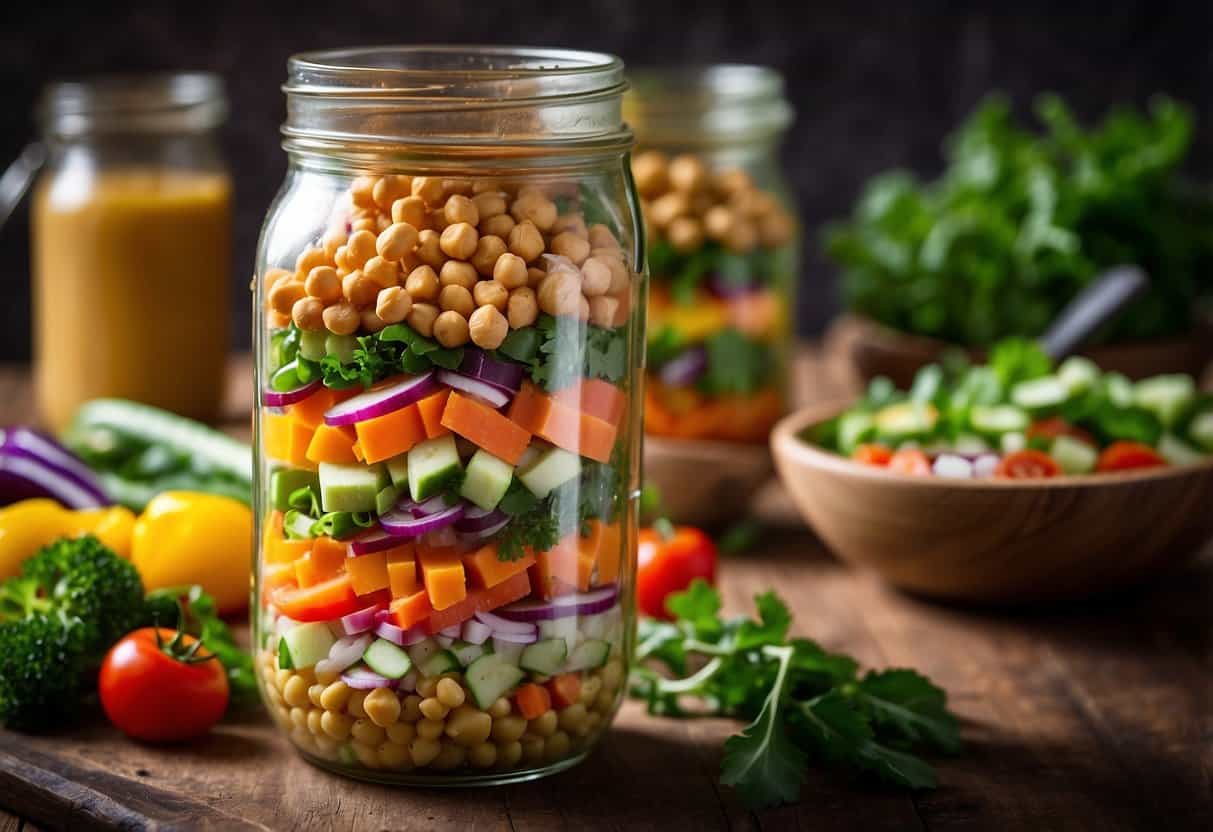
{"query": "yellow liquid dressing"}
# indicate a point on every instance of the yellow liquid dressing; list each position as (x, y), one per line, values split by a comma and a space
(130, 289)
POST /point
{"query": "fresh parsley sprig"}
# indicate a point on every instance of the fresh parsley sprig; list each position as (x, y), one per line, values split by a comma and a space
(802, 702)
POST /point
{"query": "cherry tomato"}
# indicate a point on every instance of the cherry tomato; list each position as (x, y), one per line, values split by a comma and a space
(1027, 464)
(155, 689)
(873, 454)
(1056, 426)
(320, 602)
(910, 461)
(1126, 456)
(668, 563)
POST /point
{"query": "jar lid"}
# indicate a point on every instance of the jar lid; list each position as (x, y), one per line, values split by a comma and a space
(150, 103)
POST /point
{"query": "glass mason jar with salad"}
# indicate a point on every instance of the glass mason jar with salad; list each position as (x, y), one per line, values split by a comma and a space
(722, 248)
(449, 313)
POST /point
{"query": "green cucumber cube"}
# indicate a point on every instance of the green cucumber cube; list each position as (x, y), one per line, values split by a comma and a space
(553, 467)
(467, 653)
(306, 644)
(854, 429)
(1078, 374)
(286, 481)
(1040, 393)
(312, 344)
(546, 657)
(351, 487)
(489, 678)
(906, 420)
(998, 419)
(341, 347)
(1118, 389)
(439, 662)
(486, 480)
(1167, 397)
(386, 499)
(430, 466)
(398, 470)
(1073, 455)
(589, 655)
(1178, 452)
(387, 659)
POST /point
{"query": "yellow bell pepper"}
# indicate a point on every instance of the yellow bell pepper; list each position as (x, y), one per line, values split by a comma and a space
(28, 525)
(185, 537)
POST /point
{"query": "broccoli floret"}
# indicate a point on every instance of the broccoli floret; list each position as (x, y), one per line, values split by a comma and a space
(42, 671)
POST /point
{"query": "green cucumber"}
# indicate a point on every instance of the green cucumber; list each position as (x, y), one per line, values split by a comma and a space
(906, 420)
(486, 480)
(467, 653)
(546, 657)
(1078, 374)
(307, 643)
(422, 650)
(552, 468)
(387, 659)
(490, 677)
(297, 525)
(561, 628)
(998, 419)
(439, 662)
(855, 429)
(285, 481)
(341, 347)
(386, 499)
(589, 655)
(312, 344)
(431, 464)
(1178, 452)
(1117, 389)
(351, 487)
(284, 655)
(1200, 430)
(1040, 393)
(398, 470)
(1167, 397)
(1012, 442)
(1073, 455)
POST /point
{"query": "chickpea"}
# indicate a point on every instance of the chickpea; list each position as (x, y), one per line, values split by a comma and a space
(685, 234)
(450, 693)
(571, 224)
(650, 169)
(602, 237)
(371, 321)
(567, 244)
(432, 708)
(382, 706)
(688, 173)
(336, 725)
(488, 250)
(489, 204)
(390, 188)
(510, 271)
(382, 273)
(458, 273)
(469, 726)
(483, 755)
(430, 729)
(459, 240)
(535, 207)
(422, 317)
(284, 294)
(342, 260)
(560, 293)
(595, 277)
(532, 748)
(451, 756)
(603, 309)
(500, 707)
(342, 318)
(665, 209)
(423, 750)
(335, 696)
(776, 229)
(411, 211)
(488, 327)
(535, 276)
(362, 191)
(357, 289)
(401, 733)
(456, 298)
(308, 260)
(451, 329)
(437, 220)
(429, 188)
(717, 222)
(572, 719)
(509, 754)
(742, 237)
(621, 277)
(733, 181)
(526, 241)
(508, 728)
(490, 293)
(313, 721)
(429, 248)
(463, 187)
(498, 226)
(364, 730)
(557, 746)
(323, 284)
(295, 692)
(360, 248)
(522, 308)
(459, 208)
(480, 186)
(422, 283)
(544, 725)
(392, 755)
(393, 305)
(333, 240)
(410, 708)
(396, 241)
(365, 224)
(612, 676)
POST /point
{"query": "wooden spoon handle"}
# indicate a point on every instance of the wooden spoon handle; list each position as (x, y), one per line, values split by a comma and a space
(1091, 308)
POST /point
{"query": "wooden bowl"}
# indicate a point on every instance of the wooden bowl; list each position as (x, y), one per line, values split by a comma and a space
(871, 350)
(703, 483)
(996, 541)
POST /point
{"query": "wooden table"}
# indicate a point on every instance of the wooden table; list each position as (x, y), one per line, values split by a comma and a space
(1098, 717)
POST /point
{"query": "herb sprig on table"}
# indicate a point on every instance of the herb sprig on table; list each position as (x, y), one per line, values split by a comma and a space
(803, 703)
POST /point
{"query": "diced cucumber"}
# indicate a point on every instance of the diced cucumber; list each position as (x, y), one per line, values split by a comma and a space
(1118, 389)
(386, 659)
(1073, 455)
(507, 651)
(441, 661)
(466, 653)
(422, 650)
(561, 628)
(1012, 442)
(593, 626)
(341, 347)
(350, 487)
(1040, 393)
(998, 419)
(307, 643)
(398, 470)
(546, 657)
(312, 344)
(386, 499)
(1200, 430)
(1178, 452)
(906, 420)
(491, 677)
(554, 467)
(1165, 396)
(1078, 374)
(285, 481)
(431, 465)
(590, 654)
(297, 525)
(486, 480)
(854, 429)
(970, 445)
(952, 466)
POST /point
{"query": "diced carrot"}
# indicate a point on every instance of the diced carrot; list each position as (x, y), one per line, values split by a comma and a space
(275, 548)
(587, 552)
(390, 434)
(411, 610)
(286, 440)
(310, 411)
(480, 600)
(330, 554)
(274, 575)
(430, 409)
(597, 438)
(442, 574)
(485, 427)
(609, 552)
(357, 451)
(532, 700)
(595, 397)
(565, 689)
(556, 571)
(368, 573)
(564, 426)
(402, 578)
(485, 569)
(332, 444)
(311, 570)
(323, 602)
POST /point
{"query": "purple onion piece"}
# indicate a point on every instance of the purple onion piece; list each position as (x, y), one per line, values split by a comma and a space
(480, 365)
(363, 678)
(501, 625)
(580, 603)
(382, 400)
(686, 369)
(362, 621)
(405, 524)
(273, 398)
(492, 395)
(33, 465)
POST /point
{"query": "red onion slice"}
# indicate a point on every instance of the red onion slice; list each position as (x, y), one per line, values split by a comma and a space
(476, 632)
(23, 475)
(362, 621)
(363, 678)
(475, 520)
(473, 538)
(490, 394)
(398, 636)
(501, 625)
(427, 507)
(344, 653)
(517, 638)
(376, 540)
(479, 364)
(578, 603)
(273, 398)
(27, 442)
(382, 399)
(444, 641)
(404, 524)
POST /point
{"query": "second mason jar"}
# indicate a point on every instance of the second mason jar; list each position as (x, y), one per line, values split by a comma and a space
(448, 336)
(722, 249)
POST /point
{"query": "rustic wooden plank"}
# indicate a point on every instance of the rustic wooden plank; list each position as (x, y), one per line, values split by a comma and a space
(9, 823)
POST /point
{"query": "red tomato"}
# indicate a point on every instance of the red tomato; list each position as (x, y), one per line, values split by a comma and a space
(320, 602)
(1126, 456)
(872, 454)
(151, 694)
(668, 564)
(910, 461)
(1056, 426)
(1027, 464)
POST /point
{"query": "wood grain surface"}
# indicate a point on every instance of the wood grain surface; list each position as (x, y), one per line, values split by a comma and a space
(1080, 717)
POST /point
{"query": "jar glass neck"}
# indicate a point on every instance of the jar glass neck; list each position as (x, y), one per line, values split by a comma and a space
(133, 106)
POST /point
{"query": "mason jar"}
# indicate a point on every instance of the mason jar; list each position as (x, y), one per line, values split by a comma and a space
(131, 243)
(449, 311)
(722, 248)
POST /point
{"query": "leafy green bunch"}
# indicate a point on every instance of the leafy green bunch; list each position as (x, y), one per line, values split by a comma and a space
(1019, 222)
(802, 702)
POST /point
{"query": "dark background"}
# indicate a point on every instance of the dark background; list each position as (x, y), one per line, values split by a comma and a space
(874, 86)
